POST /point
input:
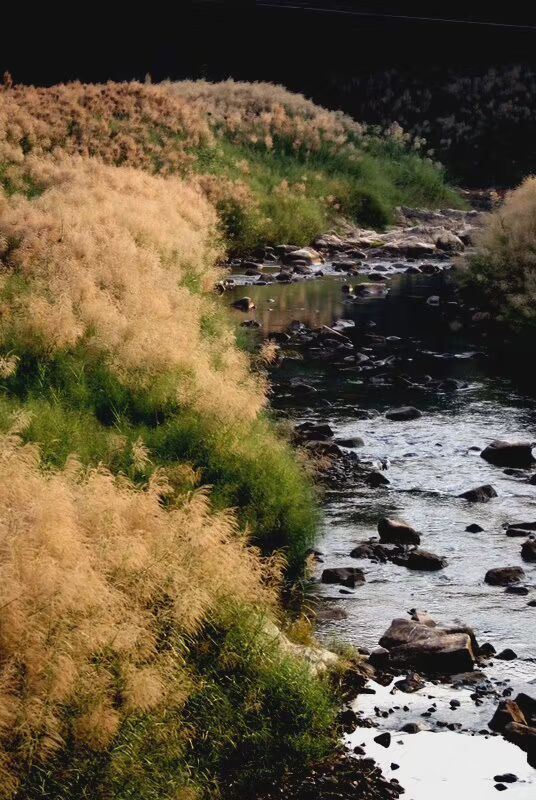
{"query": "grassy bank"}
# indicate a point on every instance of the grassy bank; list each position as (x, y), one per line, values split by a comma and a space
(277, 167)
(501, 274)
(149, 506)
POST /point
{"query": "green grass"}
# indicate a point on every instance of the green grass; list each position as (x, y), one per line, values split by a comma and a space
(321, 188)
(254, 714)
(76, 405)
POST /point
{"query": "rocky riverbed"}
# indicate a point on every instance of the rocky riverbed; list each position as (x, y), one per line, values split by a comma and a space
(388, 381)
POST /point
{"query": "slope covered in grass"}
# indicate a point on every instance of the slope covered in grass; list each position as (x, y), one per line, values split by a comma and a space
(148, 505)
(277, 167)
(123, 394)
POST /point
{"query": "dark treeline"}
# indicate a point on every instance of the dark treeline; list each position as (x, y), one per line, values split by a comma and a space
(377, 68)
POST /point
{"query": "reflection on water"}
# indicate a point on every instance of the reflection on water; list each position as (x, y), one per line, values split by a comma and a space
(314, 302)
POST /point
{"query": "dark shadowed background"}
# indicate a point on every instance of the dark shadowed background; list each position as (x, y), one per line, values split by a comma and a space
(442, 70)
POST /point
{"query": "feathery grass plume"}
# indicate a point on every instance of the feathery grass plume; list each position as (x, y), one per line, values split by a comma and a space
(100, 589)
(263, 113)
(503, 268)
(114, 259)
(121, 123)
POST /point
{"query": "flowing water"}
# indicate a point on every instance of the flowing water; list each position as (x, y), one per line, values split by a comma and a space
(429, 462)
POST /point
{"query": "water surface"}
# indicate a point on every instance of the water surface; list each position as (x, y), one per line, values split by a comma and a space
(429, 462)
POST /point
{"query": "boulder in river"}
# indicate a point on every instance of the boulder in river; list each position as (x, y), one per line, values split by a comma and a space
(244, 304)
(421, 560)
(527, 704)
(375, 479)
(412, 727)
(345, 576)
(383, 738)
(307, 254)
(516, 533)
(506, 655)
(474, 528)
(515, 588)
(428, 649)
(524, 736)
(411, 683)
(403, 414)
(507, 711)
(509, 454)
(314, 432)
(351, 441)
(528, 550)
(481, 494)
(395, 531)
(504, 576)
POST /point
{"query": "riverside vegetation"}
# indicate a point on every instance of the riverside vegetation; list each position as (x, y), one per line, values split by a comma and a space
(135, 660)
(502, 270)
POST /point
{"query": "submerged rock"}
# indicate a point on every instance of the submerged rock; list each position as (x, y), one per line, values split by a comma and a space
(509, 454)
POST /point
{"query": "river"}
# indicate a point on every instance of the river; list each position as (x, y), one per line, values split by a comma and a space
(429, 461)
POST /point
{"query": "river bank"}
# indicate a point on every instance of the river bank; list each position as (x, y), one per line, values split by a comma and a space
(408, 342)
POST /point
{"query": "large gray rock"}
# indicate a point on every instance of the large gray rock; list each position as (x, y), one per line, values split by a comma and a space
(395, 531)
(509, 454)
(449, 242)
(428, 649)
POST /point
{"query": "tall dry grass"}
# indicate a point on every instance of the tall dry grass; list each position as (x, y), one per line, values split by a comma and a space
(116, 260)
(261, 113)
(504, 265)
(141, 125)
(100, 588)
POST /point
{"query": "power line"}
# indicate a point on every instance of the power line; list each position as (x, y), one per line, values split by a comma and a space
(378, 15)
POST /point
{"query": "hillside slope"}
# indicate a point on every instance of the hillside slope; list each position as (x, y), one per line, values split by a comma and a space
(135, 599)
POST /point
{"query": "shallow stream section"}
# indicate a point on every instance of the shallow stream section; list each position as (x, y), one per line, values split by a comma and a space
(429, 461)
